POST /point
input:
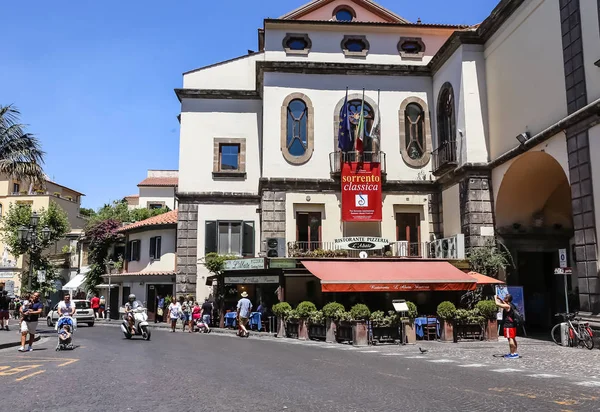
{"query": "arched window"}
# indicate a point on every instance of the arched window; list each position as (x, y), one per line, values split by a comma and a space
(415, 132)
(445, 116)
(297, 128)
(371, 116)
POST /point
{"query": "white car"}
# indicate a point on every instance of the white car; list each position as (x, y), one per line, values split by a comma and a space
(83, 313)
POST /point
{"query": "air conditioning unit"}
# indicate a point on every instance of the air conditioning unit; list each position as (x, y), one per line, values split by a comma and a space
(275, 247)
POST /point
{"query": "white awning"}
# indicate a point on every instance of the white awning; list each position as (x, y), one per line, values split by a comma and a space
(74, 283)
(106, 285)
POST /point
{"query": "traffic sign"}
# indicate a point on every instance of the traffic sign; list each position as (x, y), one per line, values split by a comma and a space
(562, 257)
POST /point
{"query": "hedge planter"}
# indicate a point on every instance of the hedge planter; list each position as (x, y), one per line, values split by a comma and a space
(469, 331)
(303, 329)
(281, 328)
(291, 330)
(384, 334)
(410, 335)
(492, 330)
(447, 331)
(317, 332)
(344, 332)
(331, 327)
(360, 333)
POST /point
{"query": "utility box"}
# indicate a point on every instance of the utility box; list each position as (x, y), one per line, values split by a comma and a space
(564, 334)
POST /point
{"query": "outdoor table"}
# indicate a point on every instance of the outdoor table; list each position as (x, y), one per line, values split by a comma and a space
(255, 320)
(230, 320)
(420, 322)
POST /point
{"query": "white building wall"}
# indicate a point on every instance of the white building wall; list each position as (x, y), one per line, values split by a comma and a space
(328, 204)
(451, 211)
(325, 92)
(525, 75)
(237, 74)
(157, 195)
(591, 46)
(168, 249)
(204, 120)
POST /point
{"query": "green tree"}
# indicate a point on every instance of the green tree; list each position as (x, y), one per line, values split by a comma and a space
(101, 235)
(55, 219)
(118, 210)
(21, 155)
(215, 264)
(87, 212)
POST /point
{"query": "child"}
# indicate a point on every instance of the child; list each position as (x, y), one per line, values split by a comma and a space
(24, 308)
(65, 334)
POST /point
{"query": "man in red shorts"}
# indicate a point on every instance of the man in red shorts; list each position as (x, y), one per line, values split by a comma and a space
(510, 324)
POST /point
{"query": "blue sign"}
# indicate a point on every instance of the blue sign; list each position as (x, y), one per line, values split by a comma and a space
(518, 298)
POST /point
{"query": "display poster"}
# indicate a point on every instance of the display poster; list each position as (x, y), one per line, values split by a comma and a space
(361, 192)
(518, 298)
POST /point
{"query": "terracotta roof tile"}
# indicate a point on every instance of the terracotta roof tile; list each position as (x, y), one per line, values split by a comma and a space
(132, 196)
(159, 181)
(169, 218)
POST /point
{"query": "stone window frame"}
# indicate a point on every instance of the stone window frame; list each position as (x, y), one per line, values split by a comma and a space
(304, 36)
(343, 7)
(241, 171)
(446, 87)
(338, 109)
(360, 37)
(310, 129)
(405, 55)
(422, 162)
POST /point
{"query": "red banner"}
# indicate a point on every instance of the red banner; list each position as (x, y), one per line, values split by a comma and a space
(361, 192)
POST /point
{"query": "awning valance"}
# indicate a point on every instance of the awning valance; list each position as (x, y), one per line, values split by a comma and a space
(74, 283)
(484, 280)
(389, 276)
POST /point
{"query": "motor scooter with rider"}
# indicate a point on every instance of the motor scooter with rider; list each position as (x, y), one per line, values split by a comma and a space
(135, 321)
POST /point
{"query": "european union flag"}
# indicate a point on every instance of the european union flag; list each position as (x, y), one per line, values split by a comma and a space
(344, 134)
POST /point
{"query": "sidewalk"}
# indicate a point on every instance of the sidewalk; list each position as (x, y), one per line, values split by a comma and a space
(12, 337)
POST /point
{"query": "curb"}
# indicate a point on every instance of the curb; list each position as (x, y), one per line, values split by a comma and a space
(218, 331)
(15, 344)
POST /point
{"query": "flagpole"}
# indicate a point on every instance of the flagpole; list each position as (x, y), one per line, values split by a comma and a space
(376, 149)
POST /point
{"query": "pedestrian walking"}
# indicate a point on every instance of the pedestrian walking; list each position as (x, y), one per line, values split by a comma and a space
(244, 310)
(95, 302)
(186, 309)
(160, 309)
(510, 324)
(174, 313)
(102, 308)
(4, 310)
(31, 313)
(207, 310)
(17, 312)
(196, 314)
(66, 307)
(11, 310)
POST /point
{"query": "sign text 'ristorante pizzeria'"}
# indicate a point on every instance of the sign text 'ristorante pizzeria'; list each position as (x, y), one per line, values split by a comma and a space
(361, 192)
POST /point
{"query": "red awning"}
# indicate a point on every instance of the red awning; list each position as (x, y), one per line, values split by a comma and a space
(484, 280)
(386, 276)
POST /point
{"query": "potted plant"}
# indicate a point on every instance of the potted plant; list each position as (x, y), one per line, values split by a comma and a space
(282, 311)
(489, 311)
(304, 310)
(332, 312)
(360, 314)
(57, 194)
(292, 324)
(316, 325)
(384, 328)
(446, 311)
(468, 324)
(409, 327)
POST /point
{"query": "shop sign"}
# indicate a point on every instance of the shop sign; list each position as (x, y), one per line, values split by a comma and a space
(253, 280)
(361, 192)
(245, 264)
(9, 287)
(282, 264)
(7, 275)
(361, 243)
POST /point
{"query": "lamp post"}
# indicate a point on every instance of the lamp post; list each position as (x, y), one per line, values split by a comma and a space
(110, 265)
(28, 235)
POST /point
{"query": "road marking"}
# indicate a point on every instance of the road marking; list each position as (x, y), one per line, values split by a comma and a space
(589, 384)
(414, 357)
(394, 354)
(369, 351)
(441, 361)
(18, 369)
(68, 362)
(506, 370)
(543, 376)
(473, 365)
(22, 378)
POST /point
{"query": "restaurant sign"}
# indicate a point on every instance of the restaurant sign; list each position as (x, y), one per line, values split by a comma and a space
(245, 264)
(250, 280)
(282, 263)
(361, 192)
(361, 243)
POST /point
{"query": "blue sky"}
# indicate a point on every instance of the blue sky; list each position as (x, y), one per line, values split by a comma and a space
(94, 79)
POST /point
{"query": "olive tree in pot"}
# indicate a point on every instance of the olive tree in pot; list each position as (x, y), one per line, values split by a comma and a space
(332, 312)
(304, 310)
(409, 328)
(360, 314)
(282, 311)
(446, 311)
(489, 310)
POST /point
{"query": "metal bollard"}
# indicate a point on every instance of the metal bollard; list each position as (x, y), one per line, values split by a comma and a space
(272, 324)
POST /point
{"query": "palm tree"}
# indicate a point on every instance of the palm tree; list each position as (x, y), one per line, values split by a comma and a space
(21, 155)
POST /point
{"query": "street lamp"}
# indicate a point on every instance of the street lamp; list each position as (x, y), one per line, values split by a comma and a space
(110, 265)
(27, 236)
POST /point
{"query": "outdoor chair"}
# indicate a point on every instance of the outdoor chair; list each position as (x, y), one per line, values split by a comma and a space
(430, 328)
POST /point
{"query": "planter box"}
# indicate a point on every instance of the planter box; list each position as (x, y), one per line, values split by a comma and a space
(317, 332)
(291, 330)
(360, 333)
(471, 331)
(303, 330)
(331, 326)
(384, 334)
(447, 331)
(344, 332)
(410, 333)
(281, 328)
(491, 330)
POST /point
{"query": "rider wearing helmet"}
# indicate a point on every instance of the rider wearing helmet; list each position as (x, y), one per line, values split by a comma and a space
(131, 305)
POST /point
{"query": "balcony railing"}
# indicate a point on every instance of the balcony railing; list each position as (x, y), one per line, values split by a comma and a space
(444, 158)
(337, 158)
(447, 248)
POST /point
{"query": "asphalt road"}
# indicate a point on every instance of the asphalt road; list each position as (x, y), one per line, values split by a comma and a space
(184, 372)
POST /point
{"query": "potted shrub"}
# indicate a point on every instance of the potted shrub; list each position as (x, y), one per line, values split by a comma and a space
(468, 324)
(282, 311)
(332, 312)
(316, 326)
(409, 327)
(304, 310)
(291, 324)
(360, 314)
(384, 328)
(489, 311)
(446, 311)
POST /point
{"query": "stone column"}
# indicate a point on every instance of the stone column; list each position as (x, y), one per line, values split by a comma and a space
(187, 254)
(476, 209)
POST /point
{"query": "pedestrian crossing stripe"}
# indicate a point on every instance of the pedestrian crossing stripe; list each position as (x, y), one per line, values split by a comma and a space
(473, 365)
(441, 361)
(589, 384)
(543, 375)
(369, 351)
(506, 370)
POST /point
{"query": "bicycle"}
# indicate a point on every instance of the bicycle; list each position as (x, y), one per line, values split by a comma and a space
(580, 333)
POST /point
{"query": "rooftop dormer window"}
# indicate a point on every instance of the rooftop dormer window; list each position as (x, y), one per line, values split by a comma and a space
(411, 47)
(295, 43)
(357, 46)
(344, 13)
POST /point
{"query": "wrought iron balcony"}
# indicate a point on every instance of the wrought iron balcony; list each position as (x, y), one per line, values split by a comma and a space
(337, 158)
(444, 158)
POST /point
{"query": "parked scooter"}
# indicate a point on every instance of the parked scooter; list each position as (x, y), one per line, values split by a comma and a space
(201, 326)
(140, 327)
